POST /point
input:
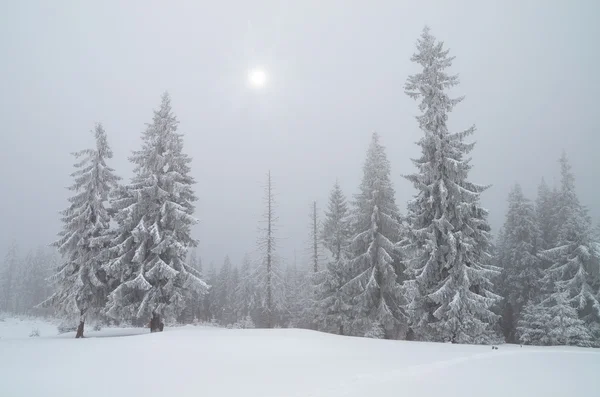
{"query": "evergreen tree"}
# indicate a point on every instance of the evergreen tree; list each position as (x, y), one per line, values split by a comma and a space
(574, 255)
(565, 326)
(521, 267)
(336, 232)
(373, 287)
(448, 236)
(154, 216)
(331, 309)
(8, 278)
(333, 313)
(267, 274)
(80, 284)
(245, 294)
(534, 325)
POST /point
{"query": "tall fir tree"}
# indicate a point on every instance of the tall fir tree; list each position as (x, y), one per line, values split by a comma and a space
(575, 255)
(373, 287)
(336, 228)
(448, 236)
(521, 268)
(331, 308)
(267, 274)
(80, 283)
(154, 216)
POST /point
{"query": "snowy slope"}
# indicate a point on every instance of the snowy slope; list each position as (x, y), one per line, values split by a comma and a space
(195, 361)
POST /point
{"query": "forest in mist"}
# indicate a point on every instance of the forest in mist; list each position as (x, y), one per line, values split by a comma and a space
(431, 271)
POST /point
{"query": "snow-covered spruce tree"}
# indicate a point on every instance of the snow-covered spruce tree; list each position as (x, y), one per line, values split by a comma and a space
(245, 293)
(336, 228)
(267, 273)
(331, 309)
(80, 285)
(374, 265)
(572, 270)
(533, 327)
(521, 268)
(565, 326)
(8, 278)
(154, 216)
(448, 236)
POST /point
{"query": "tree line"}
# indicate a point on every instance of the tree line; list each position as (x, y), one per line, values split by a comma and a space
(431, 274)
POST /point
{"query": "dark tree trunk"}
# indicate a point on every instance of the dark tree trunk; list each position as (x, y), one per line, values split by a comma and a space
(79, 333)
(341, 329)
(156, 325)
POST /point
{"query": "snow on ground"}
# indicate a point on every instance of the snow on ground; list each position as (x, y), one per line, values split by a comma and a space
(198, 361)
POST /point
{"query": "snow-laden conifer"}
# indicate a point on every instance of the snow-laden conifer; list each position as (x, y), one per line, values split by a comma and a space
(267, 275)
(80, 283)
(574, 258)
(372, 287)
(154, 216)
(521, 268)
(448, 236)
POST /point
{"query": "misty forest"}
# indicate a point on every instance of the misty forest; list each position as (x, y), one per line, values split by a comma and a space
(429, 270)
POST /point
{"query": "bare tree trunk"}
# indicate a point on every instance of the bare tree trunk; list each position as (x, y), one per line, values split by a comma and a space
(79, 333)
(156, 325)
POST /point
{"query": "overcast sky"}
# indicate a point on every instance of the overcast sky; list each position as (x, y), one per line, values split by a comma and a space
(529, 70)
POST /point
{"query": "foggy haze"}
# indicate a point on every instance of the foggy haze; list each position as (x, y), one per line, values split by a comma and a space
(336, 73)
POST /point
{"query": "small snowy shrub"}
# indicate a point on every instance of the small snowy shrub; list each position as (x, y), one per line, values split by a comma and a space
(34, 333)
(66, 327)
(376, 332)
(97, 327)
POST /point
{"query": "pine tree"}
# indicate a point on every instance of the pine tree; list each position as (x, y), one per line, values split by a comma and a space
(534, 325)
(336, 232)
(373, 287)
(333, 313)
(331, 309)
(267, 274)
(246, 301)
(80, 284)
(521, 268)
(565, 327)
(448, 236)
(8, 278)
(574, 255)
(154, 216)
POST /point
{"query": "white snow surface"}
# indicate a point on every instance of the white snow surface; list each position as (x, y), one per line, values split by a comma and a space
(205, 361)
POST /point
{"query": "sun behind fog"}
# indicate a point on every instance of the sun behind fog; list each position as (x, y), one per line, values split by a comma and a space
(257, 78)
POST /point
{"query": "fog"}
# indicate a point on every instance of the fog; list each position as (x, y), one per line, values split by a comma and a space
(336, 72)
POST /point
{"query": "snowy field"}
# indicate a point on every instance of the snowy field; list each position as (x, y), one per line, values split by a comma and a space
(198, 361)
